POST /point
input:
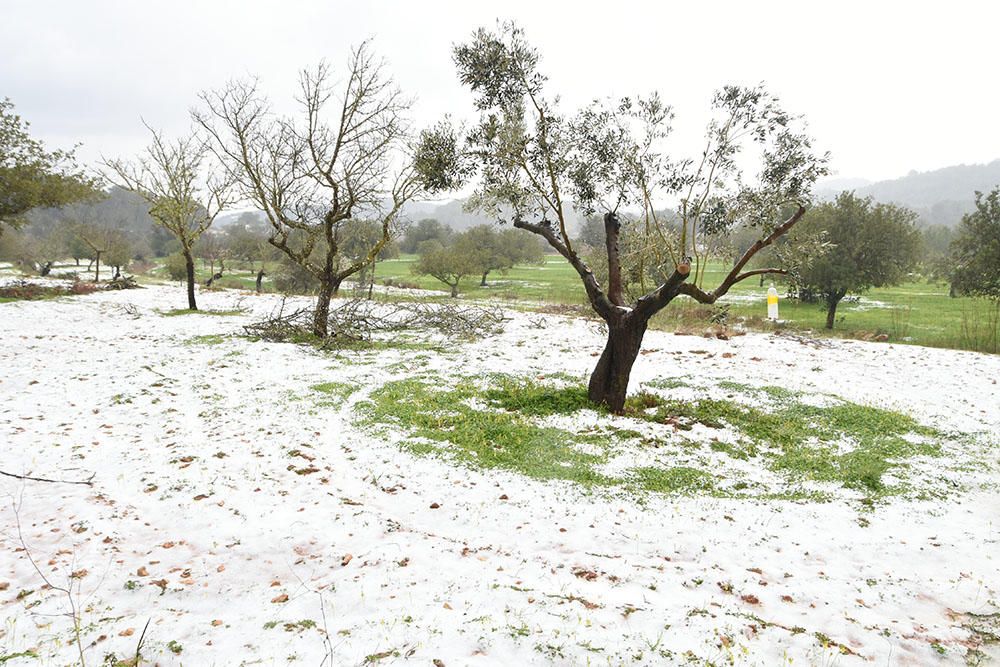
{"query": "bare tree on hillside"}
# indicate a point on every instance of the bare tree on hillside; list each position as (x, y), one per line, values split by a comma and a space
(345, 157)
(184, 192)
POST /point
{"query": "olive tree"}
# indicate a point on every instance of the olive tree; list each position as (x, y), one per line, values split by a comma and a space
(213, 249)
(449, 263)
(183, 189)
(31, 175)
(532, 164)
(426, 229)
(492, 250)
(250, 245)
(346, 156)
(867, 245)
(975, 251)
(98, 239)
(359, 237)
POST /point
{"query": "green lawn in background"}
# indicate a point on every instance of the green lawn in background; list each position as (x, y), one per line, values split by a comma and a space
(915, 312)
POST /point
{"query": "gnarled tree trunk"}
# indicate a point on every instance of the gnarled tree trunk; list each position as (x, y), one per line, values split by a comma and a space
(609, 381)
(832, 301)
(260, 279)
(482, 283)
(321, 316)
(189, 269)
(327, 289)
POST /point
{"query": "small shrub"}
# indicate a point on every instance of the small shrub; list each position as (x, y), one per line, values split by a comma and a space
(401, 284)
(176, 266)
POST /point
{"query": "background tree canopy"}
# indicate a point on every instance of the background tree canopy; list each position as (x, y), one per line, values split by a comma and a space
(868, 245)
(976, 250)
(31, 176)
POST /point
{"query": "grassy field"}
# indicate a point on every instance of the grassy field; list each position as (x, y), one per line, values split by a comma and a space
(914, 312)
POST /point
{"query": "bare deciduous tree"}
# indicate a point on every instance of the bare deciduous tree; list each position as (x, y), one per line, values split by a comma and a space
(184, 192)
(313, 175)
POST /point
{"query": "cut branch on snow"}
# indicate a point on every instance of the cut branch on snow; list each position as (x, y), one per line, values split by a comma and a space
(88, 482)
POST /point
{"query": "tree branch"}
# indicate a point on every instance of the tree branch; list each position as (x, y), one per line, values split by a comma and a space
(604, 307)
(612, 227)
(89, 481)
(736, 275)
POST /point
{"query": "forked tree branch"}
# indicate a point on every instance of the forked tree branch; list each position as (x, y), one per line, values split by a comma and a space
(601, 303)
(737, 274)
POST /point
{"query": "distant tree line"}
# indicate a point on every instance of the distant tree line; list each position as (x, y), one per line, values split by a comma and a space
(331, 185)
(476, 252)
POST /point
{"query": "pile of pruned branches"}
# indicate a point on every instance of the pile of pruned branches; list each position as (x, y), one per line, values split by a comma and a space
(454, 320)
(359, 320)
(122, 282)
(29, 290)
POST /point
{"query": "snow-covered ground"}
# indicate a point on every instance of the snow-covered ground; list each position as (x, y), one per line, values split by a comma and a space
(201, 521)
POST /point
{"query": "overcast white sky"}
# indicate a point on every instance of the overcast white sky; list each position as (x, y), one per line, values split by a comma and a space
(886, 86)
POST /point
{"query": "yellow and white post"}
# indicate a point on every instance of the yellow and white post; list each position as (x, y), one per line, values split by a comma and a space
(772, 303)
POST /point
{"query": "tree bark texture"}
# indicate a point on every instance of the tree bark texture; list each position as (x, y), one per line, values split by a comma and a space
(609, 381)
(832, 302)
(189, 269)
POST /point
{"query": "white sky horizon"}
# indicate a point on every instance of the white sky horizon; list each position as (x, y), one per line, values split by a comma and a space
(886, 87)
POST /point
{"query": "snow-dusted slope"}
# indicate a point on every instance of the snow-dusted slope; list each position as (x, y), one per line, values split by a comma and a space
(206, 519)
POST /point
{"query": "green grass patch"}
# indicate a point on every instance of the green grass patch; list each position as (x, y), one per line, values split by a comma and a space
(668, 383)
(405, 344)
(802, 439)
(768, 391)
(444, 423)
(539, 400)
(188, 311)
(742, 451)
(207, 339)
(842, 443)
(339, 390)
(680, 479)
